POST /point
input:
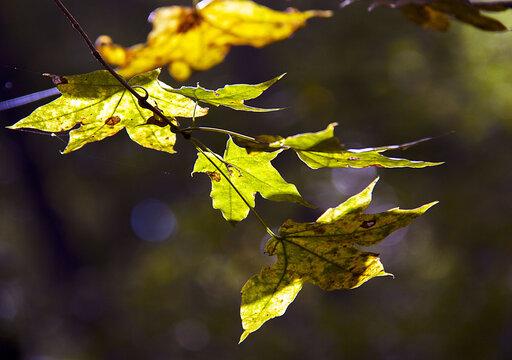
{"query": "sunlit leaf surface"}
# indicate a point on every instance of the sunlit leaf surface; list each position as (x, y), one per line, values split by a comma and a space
(324, 253)
(101, 107)
(250, 174)
(198, 38)
(232, 96)
(323, 149)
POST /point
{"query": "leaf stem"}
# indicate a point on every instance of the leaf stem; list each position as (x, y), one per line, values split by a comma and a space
(212, 152)
(194, 114)
(198, 144)
(141, 99)
(222, 131)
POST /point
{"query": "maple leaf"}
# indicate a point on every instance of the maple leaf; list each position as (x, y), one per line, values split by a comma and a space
(250, 174)
(199, 38)
(324, 253)
(232, 96)
(323, 149)
(435, 14)
(103, 107)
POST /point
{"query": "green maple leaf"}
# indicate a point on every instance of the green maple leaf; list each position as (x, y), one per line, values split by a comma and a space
(324, 253)
(232, 96)
(323, 149)
(103, 107)
(250, 174)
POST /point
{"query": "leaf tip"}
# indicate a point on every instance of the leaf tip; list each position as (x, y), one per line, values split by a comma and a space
(244, 336)
(68, 149)
(371, 186)
(425, 207)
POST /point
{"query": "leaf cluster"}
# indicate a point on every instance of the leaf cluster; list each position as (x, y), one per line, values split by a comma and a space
(95, 106)
(323, 252)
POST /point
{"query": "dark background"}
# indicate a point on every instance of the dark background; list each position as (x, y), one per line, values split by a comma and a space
(78, 282)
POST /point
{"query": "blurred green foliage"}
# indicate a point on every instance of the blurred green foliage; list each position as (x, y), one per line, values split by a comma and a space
(76, 282)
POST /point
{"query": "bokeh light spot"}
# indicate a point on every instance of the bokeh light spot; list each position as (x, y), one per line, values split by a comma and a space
(349, 181)
(192, 334)
(152, 220)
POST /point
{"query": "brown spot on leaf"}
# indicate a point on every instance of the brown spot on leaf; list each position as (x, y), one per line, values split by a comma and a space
(57, 79)
(192, 20)
(113, 120)
(215, 176)
(319, 230)
(368, 224)
(229, 166)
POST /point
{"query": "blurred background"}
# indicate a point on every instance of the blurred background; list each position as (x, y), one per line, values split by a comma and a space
(114, 251)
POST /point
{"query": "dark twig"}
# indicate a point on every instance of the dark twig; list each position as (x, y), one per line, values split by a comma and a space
(505, 3)
(221, 131)
(141, 99)
(22, 100)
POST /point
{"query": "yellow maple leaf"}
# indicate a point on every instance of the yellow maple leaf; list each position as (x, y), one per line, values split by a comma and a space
(199, 38)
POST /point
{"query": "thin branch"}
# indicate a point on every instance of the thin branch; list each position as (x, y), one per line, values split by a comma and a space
(504, 3)
(25, 99)
(222, 131)
(141, 99)
(145, 104)
(212, 152)
(194, 114)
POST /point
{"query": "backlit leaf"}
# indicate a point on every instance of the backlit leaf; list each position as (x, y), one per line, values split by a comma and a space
(232, 96)
(250, 174)
(102, 107)
(436, 14)
(198, 38)
(324, 253)
(323, 149)
(267, 296)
